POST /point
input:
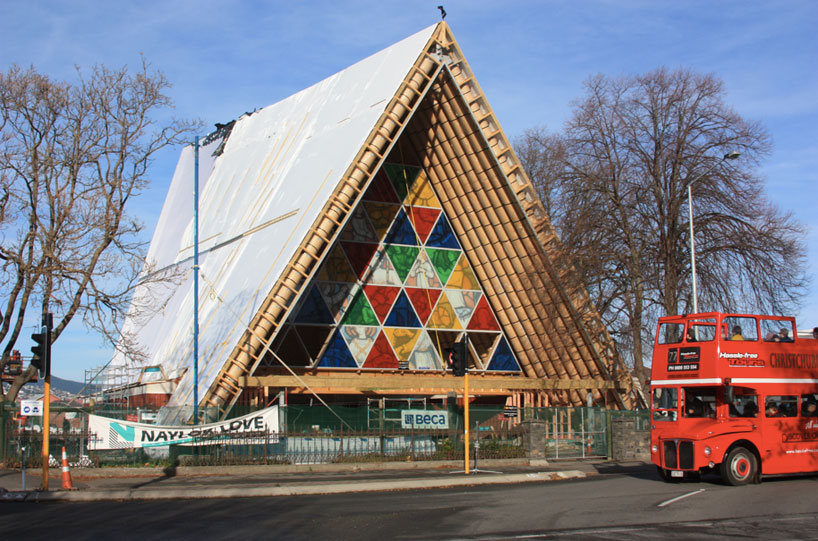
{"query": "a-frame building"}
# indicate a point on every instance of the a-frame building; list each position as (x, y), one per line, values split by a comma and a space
(351, 233)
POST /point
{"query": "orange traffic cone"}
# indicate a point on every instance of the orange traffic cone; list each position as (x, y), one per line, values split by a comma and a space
(66, 473)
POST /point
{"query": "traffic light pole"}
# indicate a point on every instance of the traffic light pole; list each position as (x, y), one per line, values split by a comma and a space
(46, 328)
(466, 418)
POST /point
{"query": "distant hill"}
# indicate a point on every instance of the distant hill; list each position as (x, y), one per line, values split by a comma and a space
(64, 385)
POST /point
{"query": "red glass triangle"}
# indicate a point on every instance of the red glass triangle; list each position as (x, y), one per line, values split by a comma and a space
(483, 318)
(381, 354)
(423, 300)
(423, 219)
(359, 254)
(381, 299)
(381, 189)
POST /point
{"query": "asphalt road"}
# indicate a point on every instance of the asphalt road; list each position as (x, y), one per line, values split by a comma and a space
(633, 504)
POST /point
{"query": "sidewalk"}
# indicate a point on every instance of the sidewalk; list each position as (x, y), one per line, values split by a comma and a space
(283, 480)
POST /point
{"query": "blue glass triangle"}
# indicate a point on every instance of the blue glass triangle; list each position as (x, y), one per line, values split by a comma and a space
(442, 235)
(503, 359)
(402, 314)
(337, 354)
(314, 310)
(401, 231)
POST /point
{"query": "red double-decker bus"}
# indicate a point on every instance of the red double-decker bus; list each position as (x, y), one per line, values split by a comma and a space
(735, 394)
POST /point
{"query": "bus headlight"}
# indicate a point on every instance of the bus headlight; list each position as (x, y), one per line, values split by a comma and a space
(654, 448)
(707, 451)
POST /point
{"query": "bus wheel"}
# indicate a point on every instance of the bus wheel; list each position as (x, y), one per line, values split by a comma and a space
(739, 467)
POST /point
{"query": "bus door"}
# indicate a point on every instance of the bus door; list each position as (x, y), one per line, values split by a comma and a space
(783, 440)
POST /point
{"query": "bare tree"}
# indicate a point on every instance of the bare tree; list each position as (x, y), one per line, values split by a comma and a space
(616, 181)
(72, 156)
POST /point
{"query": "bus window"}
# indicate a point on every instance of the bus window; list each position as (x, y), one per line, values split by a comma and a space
(741, 328)
(700, 402)
(701, 330)
(809, 405)
(781, 406)
(665, 402)
(670, 333)
(744, 405)
(775, 330)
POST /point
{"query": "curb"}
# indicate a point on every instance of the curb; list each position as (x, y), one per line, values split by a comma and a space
(294, 490)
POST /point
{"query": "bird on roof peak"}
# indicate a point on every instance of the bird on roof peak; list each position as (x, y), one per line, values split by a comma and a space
(442, 12)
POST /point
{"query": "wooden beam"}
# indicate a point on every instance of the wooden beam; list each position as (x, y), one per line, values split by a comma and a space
(425, 383)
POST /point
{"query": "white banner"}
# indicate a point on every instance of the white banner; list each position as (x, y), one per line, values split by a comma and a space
(116, 434)
(424, 419)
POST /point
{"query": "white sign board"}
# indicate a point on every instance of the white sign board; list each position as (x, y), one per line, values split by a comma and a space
(31, 407)
(424, 419)
(117, 434)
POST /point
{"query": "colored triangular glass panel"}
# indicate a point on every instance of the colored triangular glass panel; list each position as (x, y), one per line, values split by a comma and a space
(381, 189)
(381, 299)
(402, 314)
(462, 276)
(483, 318)
(443, 261)
(421, 194)
(464, 302)
(423, 219)
(381, 271)
(402, 177)
(401, 231)
(337, 354)
(442, 235)
(403, 257)
(336, 268)
(423, 300)
(423, 273)
(360, 312)
(381, 215)
(338, 297)
(358, 228)
(313, 309)
(444, 316)
(503, 359)
(403, 341)
(359, 254)
(313, 338)
(359, 340)
(425, 356)
(381, 354)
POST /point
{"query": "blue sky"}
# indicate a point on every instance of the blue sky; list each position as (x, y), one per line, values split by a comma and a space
(227, 57)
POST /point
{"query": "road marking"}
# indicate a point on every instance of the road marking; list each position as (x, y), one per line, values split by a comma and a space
(677, 498)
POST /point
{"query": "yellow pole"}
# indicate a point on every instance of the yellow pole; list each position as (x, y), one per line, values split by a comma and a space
(46, 427)
(466, 417)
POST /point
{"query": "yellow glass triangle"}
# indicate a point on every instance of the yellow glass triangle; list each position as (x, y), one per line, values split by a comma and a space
(444, 316)
(462, 276)
(336, 268)
(421, 193)
(402, 340)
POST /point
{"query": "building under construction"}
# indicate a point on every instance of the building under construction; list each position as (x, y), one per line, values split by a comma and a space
(351, 233)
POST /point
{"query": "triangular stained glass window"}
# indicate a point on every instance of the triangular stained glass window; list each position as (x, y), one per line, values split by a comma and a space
(381, 354)
(396, 280)
(360, 312)
(337, 354)
(402, 177)
(503, 359)
(442, 235)
(401, 231)
(402, 314)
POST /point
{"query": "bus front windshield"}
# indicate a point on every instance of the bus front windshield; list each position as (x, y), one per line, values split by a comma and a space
(665, 403)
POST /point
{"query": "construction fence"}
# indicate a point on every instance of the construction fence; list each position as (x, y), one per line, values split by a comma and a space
(316, 434)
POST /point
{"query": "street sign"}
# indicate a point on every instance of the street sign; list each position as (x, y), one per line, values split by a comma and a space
(31, 407)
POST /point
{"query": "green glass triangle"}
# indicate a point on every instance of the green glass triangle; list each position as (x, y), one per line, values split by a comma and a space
(360, 312)
(402, 177)
(403, 257)
(444, 262)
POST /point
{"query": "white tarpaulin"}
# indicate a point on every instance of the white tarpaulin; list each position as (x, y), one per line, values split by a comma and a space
(116, 434)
